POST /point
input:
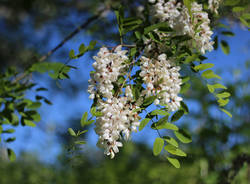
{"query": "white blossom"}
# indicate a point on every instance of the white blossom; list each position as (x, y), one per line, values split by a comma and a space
(162, 78)
(178, 18)
(107, 67)
(118, 119)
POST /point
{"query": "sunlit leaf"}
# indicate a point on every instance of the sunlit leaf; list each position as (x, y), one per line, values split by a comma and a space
(158, 146)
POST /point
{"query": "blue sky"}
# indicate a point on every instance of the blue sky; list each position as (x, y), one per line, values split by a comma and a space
(42, 140)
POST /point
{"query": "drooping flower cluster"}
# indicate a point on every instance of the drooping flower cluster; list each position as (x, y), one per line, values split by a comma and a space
(179, 19)
(213, 5)
(108, 66)
(162, 79)
(118, 118)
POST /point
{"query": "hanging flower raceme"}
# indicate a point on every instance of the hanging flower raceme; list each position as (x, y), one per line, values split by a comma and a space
(179, 19)
(118, 118)
(108, 65)
(162, 79)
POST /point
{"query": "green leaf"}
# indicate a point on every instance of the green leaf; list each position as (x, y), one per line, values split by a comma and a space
(185, 79)
(183, 136)
(84, 119)
(82, 49)
(225, 111)
(225, 47)
(188, 4)
(174, 151)
(8, 131)
(93, 111)
(238, 9)
(159, 112)
(171, 141)
(231, 2)
(209, 74)
(72, 54)
(92, 45)
(174, 162)
(227, 33)
(89, 122)
(148, 101)
(143, 123)
(223, 95)
(177, 115)
(80, 142)
(244, 22)
(166, 125)
(29, 123)
(11, 155)
(36, 117)
(11, 139)
(184, 107)
(223, 102)
(203, 66)
(82, 132)
(191, 58)
(131, 21)
(133, 51)
(156, 26)
(246, 16)
(184, 88)
(71, 132)
(158, 146)
(34, 105)
(219, 86)
(135, 92)
(210, 88)
(138, 35)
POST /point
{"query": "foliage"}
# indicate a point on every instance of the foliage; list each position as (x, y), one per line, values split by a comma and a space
(139, 30)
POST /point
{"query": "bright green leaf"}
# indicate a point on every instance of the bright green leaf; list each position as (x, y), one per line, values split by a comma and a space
(209, 74)
(183, 136)
(158, 146)
(72, 54)
(84, 119)
(174, 162)
(203, 66)
(143, 123)
(177, 115)
(210, 88)
(171, 141)
(225, 111)
(71, 132)
(159, 112)
(223, 95)
(225, 47)
(174, 151)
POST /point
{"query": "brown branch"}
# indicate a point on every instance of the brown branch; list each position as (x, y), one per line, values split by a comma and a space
(67, 38)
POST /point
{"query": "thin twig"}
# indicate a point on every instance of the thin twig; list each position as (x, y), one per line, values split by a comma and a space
(67, 38)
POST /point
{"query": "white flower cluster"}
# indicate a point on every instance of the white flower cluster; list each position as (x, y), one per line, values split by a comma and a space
(108, 66)
(213, 5)
(162, 78)
(118, 118)
(178, 18)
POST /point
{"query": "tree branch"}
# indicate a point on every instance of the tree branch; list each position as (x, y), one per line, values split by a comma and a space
(67, 38)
